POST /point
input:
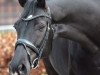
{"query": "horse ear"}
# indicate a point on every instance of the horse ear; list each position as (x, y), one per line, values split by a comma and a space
(41, 3)
(22, 2)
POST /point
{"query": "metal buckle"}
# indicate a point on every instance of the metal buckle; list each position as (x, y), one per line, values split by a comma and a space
(35, 63)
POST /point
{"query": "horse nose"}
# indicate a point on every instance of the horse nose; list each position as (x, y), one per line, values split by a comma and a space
(17, 70)
(11, 72)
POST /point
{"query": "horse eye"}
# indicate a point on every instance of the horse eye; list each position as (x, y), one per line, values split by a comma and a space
(40, 27)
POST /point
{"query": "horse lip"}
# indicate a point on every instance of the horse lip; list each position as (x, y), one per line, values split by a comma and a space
(14, 73)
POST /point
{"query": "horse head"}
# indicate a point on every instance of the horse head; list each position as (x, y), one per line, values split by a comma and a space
(33, 31)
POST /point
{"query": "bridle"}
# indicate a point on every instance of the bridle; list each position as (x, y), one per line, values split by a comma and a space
(25, 43)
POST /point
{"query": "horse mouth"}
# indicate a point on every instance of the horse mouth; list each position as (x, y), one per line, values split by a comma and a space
(18, 73)
(21, 70)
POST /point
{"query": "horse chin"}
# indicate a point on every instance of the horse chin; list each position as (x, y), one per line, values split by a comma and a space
(18, 74)
(14, 73)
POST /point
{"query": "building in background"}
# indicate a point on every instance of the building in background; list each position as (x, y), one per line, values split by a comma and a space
(9, 11)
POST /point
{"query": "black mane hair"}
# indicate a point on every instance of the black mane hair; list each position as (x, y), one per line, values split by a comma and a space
(28, 8)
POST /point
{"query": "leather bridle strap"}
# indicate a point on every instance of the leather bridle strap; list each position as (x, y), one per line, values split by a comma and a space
(37, 16)
(27, 43)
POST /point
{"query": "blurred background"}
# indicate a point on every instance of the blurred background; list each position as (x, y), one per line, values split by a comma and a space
(10, 11)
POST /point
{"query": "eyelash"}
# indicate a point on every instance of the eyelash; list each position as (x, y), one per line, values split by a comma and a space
(40, 27)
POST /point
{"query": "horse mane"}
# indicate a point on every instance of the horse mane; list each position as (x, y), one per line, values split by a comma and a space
(28, 8)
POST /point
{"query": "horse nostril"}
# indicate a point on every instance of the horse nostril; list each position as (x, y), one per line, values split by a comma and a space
(22, 69)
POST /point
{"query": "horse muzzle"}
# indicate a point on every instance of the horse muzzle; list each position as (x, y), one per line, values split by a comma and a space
(20, 70)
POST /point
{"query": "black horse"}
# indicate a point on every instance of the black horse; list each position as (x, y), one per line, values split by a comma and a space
(65, 33)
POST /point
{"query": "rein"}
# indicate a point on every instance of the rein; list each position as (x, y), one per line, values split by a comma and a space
(26, 43)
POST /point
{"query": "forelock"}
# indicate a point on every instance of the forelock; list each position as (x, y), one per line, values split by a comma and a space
(29, 8)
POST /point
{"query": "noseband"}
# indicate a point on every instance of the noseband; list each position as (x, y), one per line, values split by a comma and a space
(28, 44)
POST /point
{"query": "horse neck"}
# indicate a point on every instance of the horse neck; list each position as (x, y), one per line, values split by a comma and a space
(60, 8)
(56, 10)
